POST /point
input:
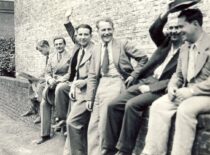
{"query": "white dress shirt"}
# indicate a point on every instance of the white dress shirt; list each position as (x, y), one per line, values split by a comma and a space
(159, 70)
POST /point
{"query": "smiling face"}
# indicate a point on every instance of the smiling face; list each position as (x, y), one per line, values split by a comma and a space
(83, 36)
(173, 29)
(59, 45)
(105, 31)
(187, 29)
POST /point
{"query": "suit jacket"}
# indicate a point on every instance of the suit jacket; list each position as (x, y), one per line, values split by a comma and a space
(36, 87)
(71, 31)
(122, 52)
(202, 68)
(83, 68)
(57, 69)
(163, 44)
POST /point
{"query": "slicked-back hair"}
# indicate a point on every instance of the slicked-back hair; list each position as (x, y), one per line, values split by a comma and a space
(109, 20)
(191, 15)
(86, 26)
(58, 37)
(42, 43)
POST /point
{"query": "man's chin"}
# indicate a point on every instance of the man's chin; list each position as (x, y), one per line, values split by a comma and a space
(60, 51)
(107, 39)
(84, 44)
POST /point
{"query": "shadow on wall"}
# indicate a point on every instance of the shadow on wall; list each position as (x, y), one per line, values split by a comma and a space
(7, 57)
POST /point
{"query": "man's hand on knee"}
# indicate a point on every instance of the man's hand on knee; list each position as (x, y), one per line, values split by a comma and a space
(172, 93)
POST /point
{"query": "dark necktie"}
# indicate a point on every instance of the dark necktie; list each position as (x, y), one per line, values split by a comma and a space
(81, 57)
(79, 62)
(105, 63)
(47, 58)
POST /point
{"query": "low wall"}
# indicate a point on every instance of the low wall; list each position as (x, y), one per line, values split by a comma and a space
(14, 98)
(202, 140)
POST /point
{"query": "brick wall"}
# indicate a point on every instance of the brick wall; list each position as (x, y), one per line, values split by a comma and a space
(38, 19)
(7, 19)
(202, 139)
(14, 99)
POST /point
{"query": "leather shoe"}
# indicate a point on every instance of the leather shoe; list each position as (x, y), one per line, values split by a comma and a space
(42, 139)
(59, 125)
(37, 120)
(108, 152)
(28, 113)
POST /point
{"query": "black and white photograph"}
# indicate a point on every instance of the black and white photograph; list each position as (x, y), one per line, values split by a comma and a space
(104, 77)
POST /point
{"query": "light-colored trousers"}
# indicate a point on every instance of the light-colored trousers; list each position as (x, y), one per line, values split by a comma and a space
(161, 113)
(108, 89)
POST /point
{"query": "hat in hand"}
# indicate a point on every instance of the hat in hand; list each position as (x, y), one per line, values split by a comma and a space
(178, 5)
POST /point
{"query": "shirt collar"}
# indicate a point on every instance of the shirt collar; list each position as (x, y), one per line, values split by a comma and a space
(197, 43)
(62, 53)
(108, 44)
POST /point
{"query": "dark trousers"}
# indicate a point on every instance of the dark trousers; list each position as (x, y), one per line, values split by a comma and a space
(62, 100)
(124, 116)
(77, 124)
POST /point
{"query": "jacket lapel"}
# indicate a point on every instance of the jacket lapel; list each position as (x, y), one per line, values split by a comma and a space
(185, 57)
(97, 53)
(116, 52)
(87, 55)
(64, 59)
(202, 53)
(172, 63)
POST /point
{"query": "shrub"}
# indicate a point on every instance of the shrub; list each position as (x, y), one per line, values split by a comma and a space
(7, 57)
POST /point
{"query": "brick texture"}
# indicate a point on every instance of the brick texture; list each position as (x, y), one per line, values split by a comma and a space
(14, 99)
(37, 19)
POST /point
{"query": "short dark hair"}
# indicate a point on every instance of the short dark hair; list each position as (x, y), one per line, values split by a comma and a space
(42, 43)
(58, 37)
(109, 20)
(191, 15)
(85, 26)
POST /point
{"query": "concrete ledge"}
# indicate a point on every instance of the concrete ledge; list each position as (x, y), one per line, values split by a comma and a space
(202, 140)
(14, 98)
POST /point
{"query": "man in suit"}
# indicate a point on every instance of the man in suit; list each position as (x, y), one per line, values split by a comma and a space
(124, 112)
(110, 72)
(77, 74)
(188, 91)
(36, 87)
(57, 67)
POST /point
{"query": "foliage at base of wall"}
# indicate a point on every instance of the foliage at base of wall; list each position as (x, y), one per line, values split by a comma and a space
(7, 57)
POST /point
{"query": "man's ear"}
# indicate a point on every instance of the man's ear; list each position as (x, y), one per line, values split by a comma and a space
(195, 23)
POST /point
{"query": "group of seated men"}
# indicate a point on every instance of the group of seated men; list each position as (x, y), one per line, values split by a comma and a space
(100, 96)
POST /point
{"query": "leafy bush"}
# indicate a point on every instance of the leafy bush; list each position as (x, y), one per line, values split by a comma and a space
(7, 57)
